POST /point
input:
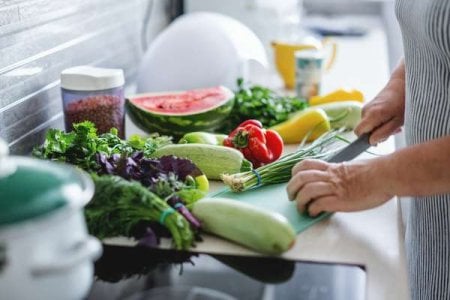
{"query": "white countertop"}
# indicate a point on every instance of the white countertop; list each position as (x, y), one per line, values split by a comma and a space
(373, 238)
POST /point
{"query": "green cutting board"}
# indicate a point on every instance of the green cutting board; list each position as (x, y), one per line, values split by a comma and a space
(274, 198)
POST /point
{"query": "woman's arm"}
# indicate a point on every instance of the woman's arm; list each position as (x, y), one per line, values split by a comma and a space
(414, 171)
(419, 170)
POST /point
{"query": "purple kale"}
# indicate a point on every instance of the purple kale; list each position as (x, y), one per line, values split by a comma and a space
(146, 170)
(129, 169)
(149, 239)
(123, 166)
(180, 166)
(106, 167)
(164, 176)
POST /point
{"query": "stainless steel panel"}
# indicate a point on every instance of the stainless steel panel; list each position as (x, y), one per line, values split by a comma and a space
(39, 38)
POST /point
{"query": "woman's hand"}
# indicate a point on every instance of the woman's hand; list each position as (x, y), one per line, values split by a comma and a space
(318, 186)
(384, 115)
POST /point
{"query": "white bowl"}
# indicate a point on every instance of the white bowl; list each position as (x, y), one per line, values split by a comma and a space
(198, 50)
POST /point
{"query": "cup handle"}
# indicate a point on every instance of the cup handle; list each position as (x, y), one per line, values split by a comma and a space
(329, 42)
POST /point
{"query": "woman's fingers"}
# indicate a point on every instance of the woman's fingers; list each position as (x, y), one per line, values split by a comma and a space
(329, 203)
(301, 178)
(324, 204)
(369, 120)
(312, 191)
(341, 187)
(375, 114)
(383, 132)
(306, 171)
(309, 164)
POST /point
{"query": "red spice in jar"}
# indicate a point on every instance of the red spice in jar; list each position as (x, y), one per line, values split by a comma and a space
(105, 111)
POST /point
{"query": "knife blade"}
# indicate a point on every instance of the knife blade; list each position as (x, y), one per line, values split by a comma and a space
(352, 150)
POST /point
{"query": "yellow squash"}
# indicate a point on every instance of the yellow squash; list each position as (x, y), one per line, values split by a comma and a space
(202, 183)
(311, 122)
(338, 95)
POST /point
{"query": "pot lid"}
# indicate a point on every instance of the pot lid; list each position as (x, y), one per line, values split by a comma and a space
(31, 188)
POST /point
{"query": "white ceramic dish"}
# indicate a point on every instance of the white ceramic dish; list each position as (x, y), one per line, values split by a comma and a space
(201, 50)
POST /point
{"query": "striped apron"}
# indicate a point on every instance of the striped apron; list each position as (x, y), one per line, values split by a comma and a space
(425, 26)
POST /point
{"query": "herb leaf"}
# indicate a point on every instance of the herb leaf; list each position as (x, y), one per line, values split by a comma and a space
(261, 103)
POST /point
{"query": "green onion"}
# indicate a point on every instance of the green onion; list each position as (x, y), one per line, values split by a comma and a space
(280, 170)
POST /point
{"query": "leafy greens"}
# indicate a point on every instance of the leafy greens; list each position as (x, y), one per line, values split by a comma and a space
(133, 188)
(261, 103)
(81, 146)
(169, 177)
(119, 205)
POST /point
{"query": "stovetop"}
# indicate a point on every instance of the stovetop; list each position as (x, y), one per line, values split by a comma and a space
(143, 273)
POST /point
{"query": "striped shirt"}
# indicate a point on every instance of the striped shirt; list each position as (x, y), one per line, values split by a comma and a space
(425, 26)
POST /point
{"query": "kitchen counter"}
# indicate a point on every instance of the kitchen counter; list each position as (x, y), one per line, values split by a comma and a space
(372, 238)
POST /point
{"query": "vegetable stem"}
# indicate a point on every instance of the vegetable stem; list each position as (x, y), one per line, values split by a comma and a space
(280, 170)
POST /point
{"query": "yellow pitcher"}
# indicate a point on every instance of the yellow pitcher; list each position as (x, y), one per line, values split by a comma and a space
(285, 59)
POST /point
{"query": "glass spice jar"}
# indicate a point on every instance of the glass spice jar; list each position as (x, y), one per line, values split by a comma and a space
(96, 95)
(308, 72)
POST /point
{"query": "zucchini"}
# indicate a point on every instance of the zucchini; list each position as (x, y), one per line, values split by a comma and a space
(203, 138)
(345, 114)
(259, 229)
(212, 160)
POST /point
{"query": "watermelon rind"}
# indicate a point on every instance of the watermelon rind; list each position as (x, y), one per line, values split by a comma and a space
(208, 120)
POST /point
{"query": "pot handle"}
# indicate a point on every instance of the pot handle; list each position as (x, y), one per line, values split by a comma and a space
(89, 249)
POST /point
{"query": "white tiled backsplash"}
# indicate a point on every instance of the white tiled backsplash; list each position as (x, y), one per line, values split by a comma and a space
(39, 38)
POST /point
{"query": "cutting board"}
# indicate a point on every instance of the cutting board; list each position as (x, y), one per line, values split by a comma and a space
(274, 198)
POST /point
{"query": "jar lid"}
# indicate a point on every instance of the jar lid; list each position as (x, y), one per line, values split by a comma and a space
(87, 78)
(32, 188)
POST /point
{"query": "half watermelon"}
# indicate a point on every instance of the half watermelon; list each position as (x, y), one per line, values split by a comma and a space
(176, 113)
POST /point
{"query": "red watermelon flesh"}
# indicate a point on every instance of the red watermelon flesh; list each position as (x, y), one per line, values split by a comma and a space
(176, 113)
(180, 103)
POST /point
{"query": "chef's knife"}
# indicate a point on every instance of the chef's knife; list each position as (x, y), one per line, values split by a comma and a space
(352, 150)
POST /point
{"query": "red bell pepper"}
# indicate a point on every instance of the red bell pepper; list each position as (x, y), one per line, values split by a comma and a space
(260, 146)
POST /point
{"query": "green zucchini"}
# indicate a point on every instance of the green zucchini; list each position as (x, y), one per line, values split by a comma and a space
(212, 160)
(259, 229)
(345, 114)
(203, 138)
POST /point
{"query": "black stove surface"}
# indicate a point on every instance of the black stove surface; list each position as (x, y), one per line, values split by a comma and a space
(142, 274)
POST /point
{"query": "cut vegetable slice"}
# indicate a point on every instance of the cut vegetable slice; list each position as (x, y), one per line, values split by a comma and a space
(176, 113)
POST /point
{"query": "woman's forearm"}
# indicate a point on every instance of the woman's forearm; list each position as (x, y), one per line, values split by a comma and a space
(399, 71)
(418, 170)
